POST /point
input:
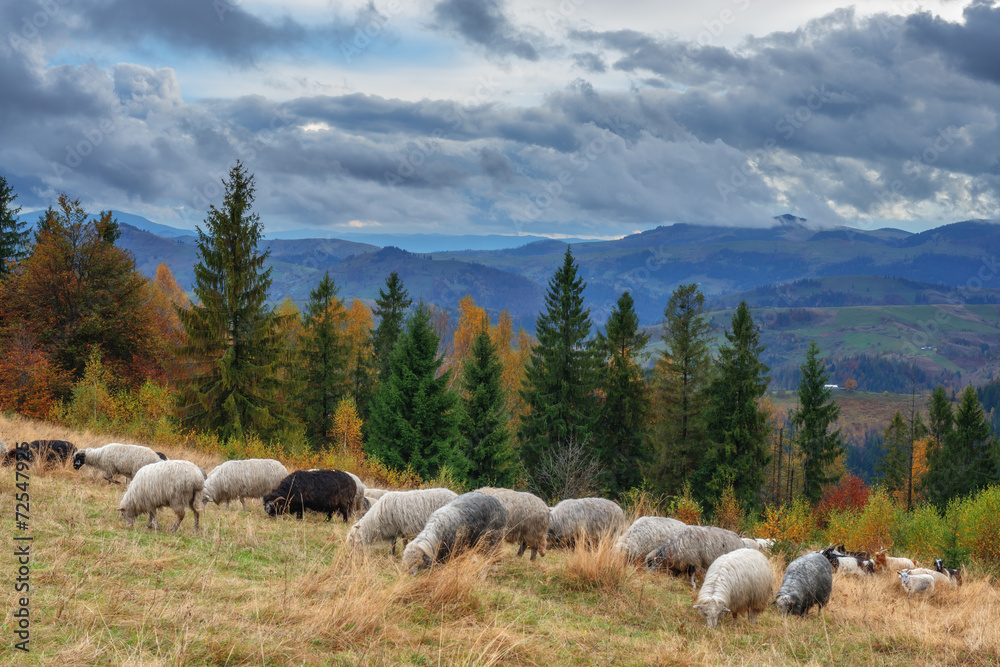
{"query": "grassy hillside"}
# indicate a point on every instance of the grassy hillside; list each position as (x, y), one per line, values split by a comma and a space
(251, 591)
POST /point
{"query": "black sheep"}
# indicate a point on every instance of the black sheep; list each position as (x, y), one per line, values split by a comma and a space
(324, 491)
(46, 452)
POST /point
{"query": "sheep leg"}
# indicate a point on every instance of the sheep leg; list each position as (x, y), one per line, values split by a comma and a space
(195, 510)
(393, 546)
(534, 552)
(180, 517)
(691, 571)
(244, 503)
(752, 615)
(520, 551)
(153, 520)
(345, 514)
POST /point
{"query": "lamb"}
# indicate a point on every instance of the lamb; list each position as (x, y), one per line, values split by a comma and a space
(173, 484)
(398, 514)
(116, 459)
(239, 480)
(527, 519)
(921, 584)
(590, 518)
(808, 580)
(472, 520)
(45, 452)
(324, 491)
(953, 574)
(646, 534)
(694, 548)
(890, 564)
(736, 582)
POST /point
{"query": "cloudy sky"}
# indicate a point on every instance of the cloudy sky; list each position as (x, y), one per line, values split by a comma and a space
(560, 117)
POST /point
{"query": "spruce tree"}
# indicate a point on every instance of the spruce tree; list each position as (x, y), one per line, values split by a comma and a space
(892, 465)
(737, 425)
(234, 344)
(682, 378)
(815, 414)
(390, 309)
(13, 235)
(485, 426)
(968, 459)
(560, 375)
(324, 361)
(414, 416)
(620, 431)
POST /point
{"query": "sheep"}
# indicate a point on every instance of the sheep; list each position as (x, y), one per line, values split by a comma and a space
(808, 580)
(953, 574)
(940, 578)
(45, 452)
(694, 548)
(172, 484)
(590, 518)
(375, 494)
(890, 564)
(527, 519)
(359, 494)
(397, 514)
(472, 520)
(116, 459)
(921, 584)
(736, 582)
(646, 534)
(239, 480)
(324, 491)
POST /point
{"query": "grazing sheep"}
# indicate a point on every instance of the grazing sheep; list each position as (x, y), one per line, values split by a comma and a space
(921, 584)
(808, 580)
(940, 578)
(173, 484)
(527, 519)
(239, 480)
(324, 491)
(953, 574)
(646, 534)
(590, 518)
(116, 459)
(398, 514)
(694, 548)
(736, 582)
(359, 494)
(472, 520)
(890, 564)
(45, 452)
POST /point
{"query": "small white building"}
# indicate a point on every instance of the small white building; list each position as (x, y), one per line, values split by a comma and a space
(831, 386)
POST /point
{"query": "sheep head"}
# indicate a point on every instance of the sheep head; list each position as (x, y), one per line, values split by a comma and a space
(712, 611)
(79, 459)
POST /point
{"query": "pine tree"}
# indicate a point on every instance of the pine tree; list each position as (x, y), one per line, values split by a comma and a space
(737, 424)
(559, 380)
(414, 417)
(620, 431)
(233, 339)
(892, 465)
(390, 309)
(682, 377)
(485, 429)
(815, 414)
(324, 361)
(968, 459)
(13, 235)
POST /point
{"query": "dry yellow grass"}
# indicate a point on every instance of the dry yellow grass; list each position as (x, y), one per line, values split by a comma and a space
(252, 591)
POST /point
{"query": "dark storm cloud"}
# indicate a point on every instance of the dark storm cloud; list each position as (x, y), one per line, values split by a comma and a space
(973, 47)
(483, 22)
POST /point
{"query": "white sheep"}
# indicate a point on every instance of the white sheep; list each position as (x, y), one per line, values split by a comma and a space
(940, 578)
(473, 520)
(694, 548)
(588, 518)
(397, 514)
(239, 480)
(646, 534)
(921, 584)
(173, 484)
(116, 459)
(375, 494)
(763, 545)
(359, 494)
(736, 582)
(527, 519)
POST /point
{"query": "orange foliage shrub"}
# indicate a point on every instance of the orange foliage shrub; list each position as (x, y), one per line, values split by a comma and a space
(788, 523)
(29, 381)
(851, 493)
(686, 509)
(729, 512)
(869, 529)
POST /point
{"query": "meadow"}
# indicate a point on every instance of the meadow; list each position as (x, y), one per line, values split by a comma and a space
(248, 590)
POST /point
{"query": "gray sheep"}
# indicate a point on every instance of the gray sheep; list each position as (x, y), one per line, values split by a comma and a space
(173, 484)
(397, 514)
(473, 520)
(808, 580)
(527, 519)
(739, 581)
(587, 518)
(645, 535)
(239, 480)
(694, 548)
(116, 459)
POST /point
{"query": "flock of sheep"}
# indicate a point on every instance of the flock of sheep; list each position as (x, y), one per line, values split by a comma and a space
(436, 524)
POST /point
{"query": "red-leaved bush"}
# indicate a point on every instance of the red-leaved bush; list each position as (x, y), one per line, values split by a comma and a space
(851, 493)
